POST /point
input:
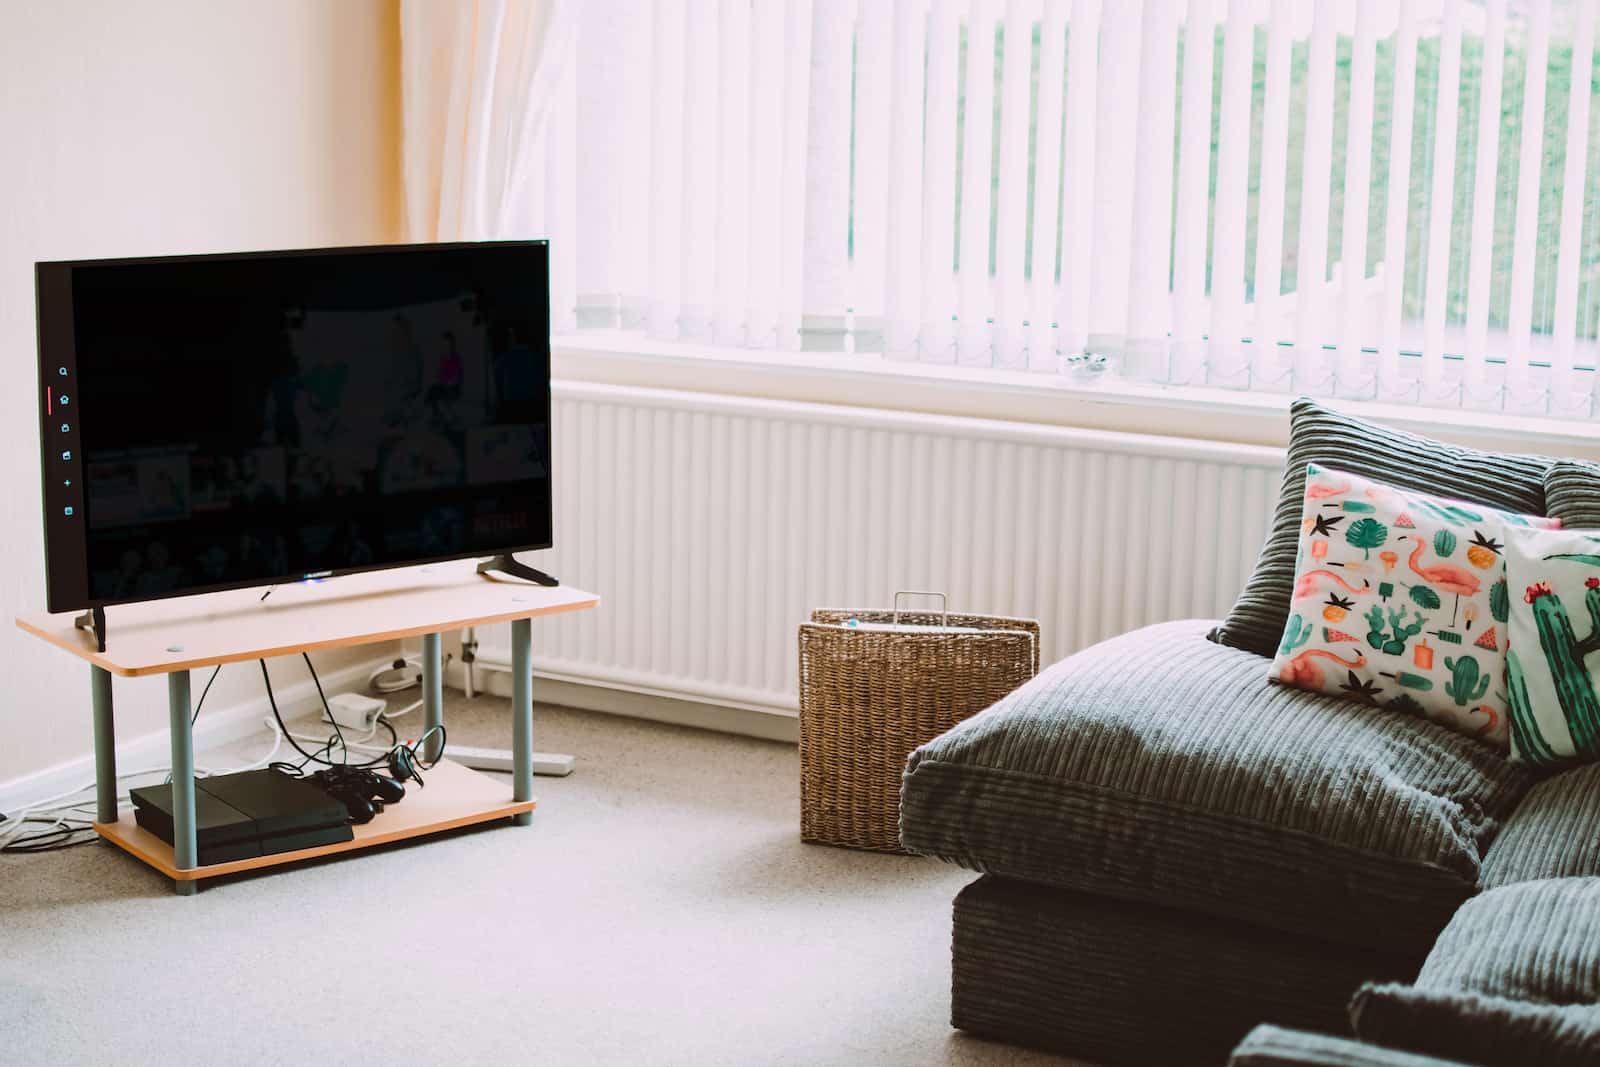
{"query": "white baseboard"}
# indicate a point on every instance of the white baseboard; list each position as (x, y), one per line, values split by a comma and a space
(216, 727)
(704, 712)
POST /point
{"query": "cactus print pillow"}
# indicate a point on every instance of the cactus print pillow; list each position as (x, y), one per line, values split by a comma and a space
(1400, 600)
(1553, 668)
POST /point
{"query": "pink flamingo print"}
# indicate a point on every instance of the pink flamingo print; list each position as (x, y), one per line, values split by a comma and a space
(1457, 580)
(1306, 584)
(1322, 490)
(1487, 728)
(1302, 673)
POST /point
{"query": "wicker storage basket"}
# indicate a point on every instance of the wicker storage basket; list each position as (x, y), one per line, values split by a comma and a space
(870, 696)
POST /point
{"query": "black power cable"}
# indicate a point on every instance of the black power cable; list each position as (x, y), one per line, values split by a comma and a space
(202, 701)
(65, 835)
(284, 729)
(53, 840)
(338, 739)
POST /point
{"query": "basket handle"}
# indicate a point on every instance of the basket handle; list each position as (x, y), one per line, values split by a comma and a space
(944, 604)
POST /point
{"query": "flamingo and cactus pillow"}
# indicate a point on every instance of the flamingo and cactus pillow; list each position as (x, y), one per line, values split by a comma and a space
(1400, 600)
(1553, 668)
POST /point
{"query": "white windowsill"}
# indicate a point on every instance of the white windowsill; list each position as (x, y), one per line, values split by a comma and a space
(1109, 403)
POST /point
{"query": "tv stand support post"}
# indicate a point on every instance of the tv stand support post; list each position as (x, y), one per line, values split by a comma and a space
(522, 716)
(184, 853)
(507, 564)
(105, 746)
(94, 620)
(432, 693)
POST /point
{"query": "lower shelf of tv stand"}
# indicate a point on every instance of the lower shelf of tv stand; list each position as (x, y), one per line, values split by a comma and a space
(454, 796)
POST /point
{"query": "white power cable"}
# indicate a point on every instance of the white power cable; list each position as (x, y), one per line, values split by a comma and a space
(44, 810)
(49, 810)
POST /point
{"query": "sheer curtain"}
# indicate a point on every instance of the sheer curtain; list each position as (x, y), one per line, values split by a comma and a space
(484, 88)
(1384, 199)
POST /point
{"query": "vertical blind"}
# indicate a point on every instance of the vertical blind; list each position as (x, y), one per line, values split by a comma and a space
(1382, 199)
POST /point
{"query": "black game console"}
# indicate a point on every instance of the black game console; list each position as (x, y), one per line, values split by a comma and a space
(251, 813)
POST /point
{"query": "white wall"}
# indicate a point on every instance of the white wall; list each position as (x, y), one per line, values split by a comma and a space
(164, 127)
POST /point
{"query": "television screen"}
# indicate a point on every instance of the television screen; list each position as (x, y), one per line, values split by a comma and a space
(221, 421)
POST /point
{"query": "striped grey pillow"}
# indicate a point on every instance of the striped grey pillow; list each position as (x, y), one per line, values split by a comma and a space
(1318, 435)
(1573, 490)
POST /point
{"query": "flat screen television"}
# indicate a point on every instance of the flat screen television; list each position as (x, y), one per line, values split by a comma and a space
(220, 421)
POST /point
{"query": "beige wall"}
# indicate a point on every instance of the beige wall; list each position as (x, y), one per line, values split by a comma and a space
(163, 127)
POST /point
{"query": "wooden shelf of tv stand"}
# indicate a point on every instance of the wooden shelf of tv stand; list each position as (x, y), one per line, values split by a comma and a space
(454, 797)
(185, 633)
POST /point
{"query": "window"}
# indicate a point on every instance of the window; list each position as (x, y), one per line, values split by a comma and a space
(1379, 200)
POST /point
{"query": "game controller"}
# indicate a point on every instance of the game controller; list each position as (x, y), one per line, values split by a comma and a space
(363, 792)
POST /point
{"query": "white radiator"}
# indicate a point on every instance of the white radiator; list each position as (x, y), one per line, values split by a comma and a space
(711, 526)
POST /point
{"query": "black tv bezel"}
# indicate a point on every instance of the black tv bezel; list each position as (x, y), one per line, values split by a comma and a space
(66, 542)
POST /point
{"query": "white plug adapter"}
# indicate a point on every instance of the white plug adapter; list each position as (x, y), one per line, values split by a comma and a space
(352, 711)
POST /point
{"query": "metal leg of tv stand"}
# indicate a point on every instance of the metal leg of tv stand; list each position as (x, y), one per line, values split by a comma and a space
(432, 692)
(105, 747)
(545, 764)
(522, 715)
(184, 854)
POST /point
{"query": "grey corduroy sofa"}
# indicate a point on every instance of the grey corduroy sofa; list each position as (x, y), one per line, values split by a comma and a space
(1174, 850)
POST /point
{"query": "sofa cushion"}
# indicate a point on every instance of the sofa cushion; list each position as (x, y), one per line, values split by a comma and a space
(1531, 941)
(1112, 981)
(1274, 1046)
(1525, 957)
(1318, 435)
(1553, 833)
(1160, 766)
(1482, 1030)
(1572, 493)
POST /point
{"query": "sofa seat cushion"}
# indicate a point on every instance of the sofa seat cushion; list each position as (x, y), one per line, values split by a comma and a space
(1514, 979)
(1553, 833)
(1112, 981)
(1536, 941)
(1481, 1030)
(1275, 1046)
(1160, 766)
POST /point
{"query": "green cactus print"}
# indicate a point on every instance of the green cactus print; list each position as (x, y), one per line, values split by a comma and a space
(1500, 601)
(1565, 652)
(1579, 557)
(1375, 635)
(1394, 643)
(1466, 684)
(1526, 736)
(1444, 544)
(1297, 634)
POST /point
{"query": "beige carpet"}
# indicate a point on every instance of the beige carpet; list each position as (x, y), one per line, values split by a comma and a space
(661, 910)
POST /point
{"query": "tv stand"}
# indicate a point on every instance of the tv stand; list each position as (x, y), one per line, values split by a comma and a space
(507, 564)
(176, 636)
(93, 620)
